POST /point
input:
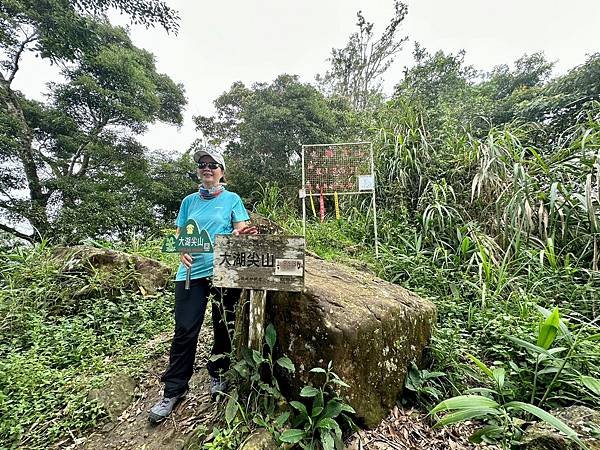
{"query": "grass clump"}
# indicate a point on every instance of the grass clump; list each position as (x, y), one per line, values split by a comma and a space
(62, 334)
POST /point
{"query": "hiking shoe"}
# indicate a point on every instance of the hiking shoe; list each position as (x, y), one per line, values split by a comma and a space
(217, 386)
(163, 408)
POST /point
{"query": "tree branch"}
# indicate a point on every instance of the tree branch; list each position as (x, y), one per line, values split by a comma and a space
(27, 237)
(25, 153)
(6, 194)
(16, 59)
(93, 134)
(84, 165)
(51, 163)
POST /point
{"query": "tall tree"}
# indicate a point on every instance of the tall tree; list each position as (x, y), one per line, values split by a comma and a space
(453, 94)
(506, 88)
(357, 69)
(110, 88)
(440, 86)
(263, 129)
(565, 101)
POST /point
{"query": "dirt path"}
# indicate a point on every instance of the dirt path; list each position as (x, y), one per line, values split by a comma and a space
(132, 431)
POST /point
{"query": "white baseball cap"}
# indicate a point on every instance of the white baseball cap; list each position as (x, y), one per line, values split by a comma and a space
(211, 151)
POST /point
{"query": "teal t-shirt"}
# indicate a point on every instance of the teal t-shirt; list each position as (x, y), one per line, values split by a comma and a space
(216, 216)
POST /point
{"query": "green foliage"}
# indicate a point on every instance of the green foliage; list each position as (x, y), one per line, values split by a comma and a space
(496, 405)
(263, 129)
(440, 85)
(318, 425)
(62, 334)
(257, 402)
(493, 230)
(75, 152)
(272, 202)
(257, 377)
(422, 383)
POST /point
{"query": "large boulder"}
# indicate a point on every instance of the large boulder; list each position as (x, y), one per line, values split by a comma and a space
(583, 420)
(369, 328)
(149, 275)
(265, 225)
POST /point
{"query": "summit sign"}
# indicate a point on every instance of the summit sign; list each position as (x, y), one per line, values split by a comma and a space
(261, 262)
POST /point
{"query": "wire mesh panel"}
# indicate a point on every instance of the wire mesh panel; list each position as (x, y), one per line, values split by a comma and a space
(342, 168)
(332, 169)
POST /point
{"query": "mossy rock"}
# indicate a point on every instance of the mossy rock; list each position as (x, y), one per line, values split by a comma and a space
(116, 395)
(149, 275)
(369, 328)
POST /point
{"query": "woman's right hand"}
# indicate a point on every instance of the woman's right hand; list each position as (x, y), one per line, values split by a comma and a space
(186, 259)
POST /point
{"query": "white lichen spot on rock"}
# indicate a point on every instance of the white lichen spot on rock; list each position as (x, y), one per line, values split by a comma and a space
(390, 366)
(400, 342)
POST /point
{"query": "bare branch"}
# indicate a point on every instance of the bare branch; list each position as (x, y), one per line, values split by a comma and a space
(28, 39)
(16, 233)
(80, 151)
(5, 193)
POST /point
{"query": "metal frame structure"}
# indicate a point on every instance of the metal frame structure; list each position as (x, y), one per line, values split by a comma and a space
(310, 194)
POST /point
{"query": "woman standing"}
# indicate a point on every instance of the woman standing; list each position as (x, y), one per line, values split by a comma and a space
(217, 211)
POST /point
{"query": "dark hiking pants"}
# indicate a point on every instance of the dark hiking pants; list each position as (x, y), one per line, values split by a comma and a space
(190, 306)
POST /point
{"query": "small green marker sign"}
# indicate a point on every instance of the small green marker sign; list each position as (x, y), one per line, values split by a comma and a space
(191, 239)
(170, 244)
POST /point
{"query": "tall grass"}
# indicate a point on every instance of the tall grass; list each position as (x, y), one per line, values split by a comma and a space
(490, 229)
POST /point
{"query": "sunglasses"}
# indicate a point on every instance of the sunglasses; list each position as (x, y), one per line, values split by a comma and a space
(210, 165)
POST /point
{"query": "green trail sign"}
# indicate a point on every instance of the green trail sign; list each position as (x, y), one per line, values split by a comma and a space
(191, 239)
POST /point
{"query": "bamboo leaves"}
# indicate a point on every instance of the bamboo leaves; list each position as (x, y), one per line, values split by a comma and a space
(548, 330)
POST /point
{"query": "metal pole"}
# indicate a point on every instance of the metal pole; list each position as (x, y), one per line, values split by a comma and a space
(303, 198)
(375, 226)
(374, 204)
(188, 277)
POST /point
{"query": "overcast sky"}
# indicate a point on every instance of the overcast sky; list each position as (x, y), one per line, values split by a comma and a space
(222, 42)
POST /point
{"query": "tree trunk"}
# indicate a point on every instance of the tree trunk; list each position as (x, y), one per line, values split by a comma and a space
(39, 200)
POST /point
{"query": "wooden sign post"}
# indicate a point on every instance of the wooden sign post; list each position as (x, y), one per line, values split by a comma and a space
(191, 239)
(259, 263)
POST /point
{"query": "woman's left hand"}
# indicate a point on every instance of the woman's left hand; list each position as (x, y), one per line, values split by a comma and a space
(245, 230)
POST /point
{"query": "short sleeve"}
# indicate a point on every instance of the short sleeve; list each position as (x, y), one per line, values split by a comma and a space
(238, 211)
(183, 214)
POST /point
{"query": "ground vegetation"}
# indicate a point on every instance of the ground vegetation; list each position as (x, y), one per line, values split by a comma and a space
(488, 196)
